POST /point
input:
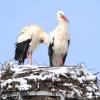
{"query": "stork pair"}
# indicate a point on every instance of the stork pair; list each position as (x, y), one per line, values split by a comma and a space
(58, 42)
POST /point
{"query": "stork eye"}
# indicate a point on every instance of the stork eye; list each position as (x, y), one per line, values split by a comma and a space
(60, 14)
(41, 41)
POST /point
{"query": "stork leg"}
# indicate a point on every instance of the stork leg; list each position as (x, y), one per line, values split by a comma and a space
(29, 57)
(61, 63)
(63, 59)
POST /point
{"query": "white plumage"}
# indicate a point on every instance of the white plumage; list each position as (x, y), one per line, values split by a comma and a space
(59, 41)
(28, 40)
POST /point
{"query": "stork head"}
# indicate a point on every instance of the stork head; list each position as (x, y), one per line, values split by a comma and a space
(44, 38)
(61, 17)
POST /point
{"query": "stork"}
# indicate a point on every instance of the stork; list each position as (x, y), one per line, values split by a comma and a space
(28, 40)
(59, 41)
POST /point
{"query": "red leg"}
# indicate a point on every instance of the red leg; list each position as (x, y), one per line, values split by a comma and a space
(29, 57)
(62, 62)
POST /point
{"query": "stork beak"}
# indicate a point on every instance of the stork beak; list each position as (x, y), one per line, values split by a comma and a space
(65, 18)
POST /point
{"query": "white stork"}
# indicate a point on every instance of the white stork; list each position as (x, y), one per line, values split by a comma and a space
(59, 41)
(28, 40)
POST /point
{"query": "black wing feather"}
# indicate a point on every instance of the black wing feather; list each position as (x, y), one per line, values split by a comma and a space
(21, 51)
(64, 58)
(50, 52)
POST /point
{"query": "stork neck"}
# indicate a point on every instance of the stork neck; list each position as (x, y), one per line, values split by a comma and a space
(63, 24)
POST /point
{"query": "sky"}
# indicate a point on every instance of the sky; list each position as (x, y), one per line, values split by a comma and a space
(84, 28)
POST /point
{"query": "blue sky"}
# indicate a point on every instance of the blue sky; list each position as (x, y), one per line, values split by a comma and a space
(84, 16)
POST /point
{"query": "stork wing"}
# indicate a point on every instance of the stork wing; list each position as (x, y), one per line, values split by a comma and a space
(25, 34)
(50, 52)
(68, 37)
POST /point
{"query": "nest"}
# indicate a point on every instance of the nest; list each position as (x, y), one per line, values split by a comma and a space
(70, 81)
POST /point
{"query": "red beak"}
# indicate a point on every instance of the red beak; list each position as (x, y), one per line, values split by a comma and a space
(65, 18)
